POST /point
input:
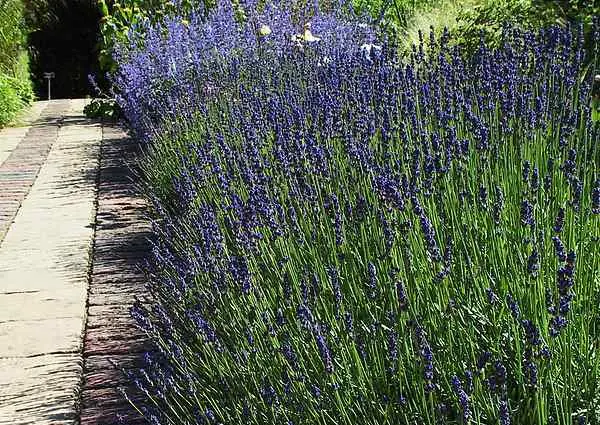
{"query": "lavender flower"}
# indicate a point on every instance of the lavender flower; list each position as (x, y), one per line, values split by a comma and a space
(372, 281)
(565, 282)
(349, 322)
(535, 180)
(392, 346)
(336, 287)
(513, 306)
(556, 325)
(527, 213)
(498, 205)
(463, 399)
(491, 296)
(530, 368)
(426, 357)
(504, 413)
(389, 191)
(334, 206)
(388, 232)
(483, 196)
(324, 351)
(596, 197)
(429, 234)
(240, 273)
(560, 221)
(533, 262)
(559, 248)
(569, 165)
(469, 382)
(402, 297)
(532, 334)
(497, 381)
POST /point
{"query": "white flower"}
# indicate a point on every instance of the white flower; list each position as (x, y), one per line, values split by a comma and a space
(368, 47)
(264, 30)
(309, 38)
(324, 61)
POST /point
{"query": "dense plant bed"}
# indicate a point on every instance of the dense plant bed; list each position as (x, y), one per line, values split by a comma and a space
(346, 238)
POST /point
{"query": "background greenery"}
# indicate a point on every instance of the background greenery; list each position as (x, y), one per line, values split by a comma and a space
(467, 20)
(15, 87)
(63, 39)
(74, 38)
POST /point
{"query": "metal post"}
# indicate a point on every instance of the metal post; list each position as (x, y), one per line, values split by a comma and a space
(49, 76)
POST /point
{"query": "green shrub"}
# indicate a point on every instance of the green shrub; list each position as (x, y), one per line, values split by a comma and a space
(486, 19)
(103, 109)
(13, 36)
(15, 86)
(562, 11)
(10, 101)
(24, 90)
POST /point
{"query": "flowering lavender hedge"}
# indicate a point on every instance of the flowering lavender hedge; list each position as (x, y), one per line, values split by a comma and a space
(183, 61)
(346, 238)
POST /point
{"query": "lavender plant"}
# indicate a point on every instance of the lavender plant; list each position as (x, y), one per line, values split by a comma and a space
(346, 237)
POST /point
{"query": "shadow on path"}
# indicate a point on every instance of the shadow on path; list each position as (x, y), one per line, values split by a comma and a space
(120, 247)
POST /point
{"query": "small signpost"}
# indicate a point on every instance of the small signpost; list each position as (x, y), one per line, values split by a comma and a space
(49, 76)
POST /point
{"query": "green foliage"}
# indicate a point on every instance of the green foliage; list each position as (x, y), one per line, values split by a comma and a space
(15, 86)
(562, 11)
(470, 20)
(487, 18)
(439, 14)
(394, 16)
(12, 34)
(103, 109)
(14, 94)
(23, 89)
(9, 100)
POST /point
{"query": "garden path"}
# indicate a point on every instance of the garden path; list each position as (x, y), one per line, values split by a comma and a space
(71, 235)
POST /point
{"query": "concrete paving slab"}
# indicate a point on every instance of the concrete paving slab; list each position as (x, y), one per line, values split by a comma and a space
(38, 337)
(44, 265)
(32, 389)
(41, 304)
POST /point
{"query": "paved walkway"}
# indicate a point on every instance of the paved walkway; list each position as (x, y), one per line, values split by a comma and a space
(50, 175)
(120, 246)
